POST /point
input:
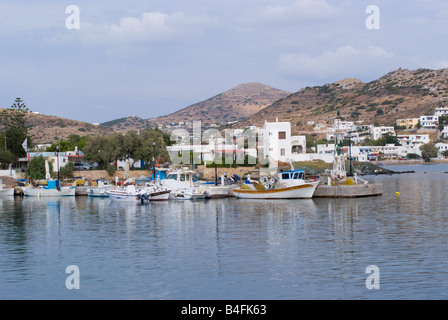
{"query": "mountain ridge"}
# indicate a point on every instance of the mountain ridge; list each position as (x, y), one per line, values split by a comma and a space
(401, 93)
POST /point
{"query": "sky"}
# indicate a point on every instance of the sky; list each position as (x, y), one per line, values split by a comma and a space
(103, 60)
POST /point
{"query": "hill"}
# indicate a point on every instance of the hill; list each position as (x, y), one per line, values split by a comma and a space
(48, 129)
(399, 94)
(232, 105)
(127, 124)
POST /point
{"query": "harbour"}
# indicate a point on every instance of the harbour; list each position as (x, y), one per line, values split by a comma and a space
(232, 248)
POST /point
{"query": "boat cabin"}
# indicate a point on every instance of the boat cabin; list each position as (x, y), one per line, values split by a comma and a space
(184, 177)
(291, 178)
(294, 174)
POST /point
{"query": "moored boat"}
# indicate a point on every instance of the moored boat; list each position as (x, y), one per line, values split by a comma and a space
(6, 192)
(100, 189)
(52, 189)
(285, 185)
(156, 192)
(180, 182)
(128, 194)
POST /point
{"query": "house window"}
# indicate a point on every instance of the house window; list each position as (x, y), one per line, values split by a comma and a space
(282, 135)
(282, 152)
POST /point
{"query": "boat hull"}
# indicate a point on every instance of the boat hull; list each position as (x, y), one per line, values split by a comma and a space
(41, 192)
(217, 192)
(9, 192)
(99, 192)
(304, 191)
(160, 195)
(186, 195)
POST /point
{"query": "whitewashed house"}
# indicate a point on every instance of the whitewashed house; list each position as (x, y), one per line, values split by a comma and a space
(378, 132)
(429, 122)
(413, 140)
(442, 111)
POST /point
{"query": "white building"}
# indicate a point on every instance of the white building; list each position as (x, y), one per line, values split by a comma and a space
(445, 132)
(277, 140)
(442, 147)
(440, 112)
(378, 132)
(413, 140)
(341, 126)
(429, 122)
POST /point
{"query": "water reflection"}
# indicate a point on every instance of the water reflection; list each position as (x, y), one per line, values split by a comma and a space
(230, 248)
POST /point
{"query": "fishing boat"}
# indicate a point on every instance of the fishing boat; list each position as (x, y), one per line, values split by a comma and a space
(213, 190)
(52, 189)
(129, 194)
(6, 192)
(100, 189)
(284, 185)
(157, 192)
(180, 182)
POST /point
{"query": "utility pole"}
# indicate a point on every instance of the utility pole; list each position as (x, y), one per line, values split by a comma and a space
(154, 161)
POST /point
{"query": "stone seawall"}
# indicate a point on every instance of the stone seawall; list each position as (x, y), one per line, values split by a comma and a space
(348, 191)
(102, 174)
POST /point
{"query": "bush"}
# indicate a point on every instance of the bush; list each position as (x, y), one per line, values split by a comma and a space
(36, 168)
(111, 170)
(429, 151)
(412, 156)
(67, 171)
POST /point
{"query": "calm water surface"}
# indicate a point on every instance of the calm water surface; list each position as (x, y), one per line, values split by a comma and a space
(232, 249)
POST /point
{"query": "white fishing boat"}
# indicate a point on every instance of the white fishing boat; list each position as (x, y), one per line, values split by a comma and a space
(285, 185)
(100, 189)
(157, 192)
(51, 190)
(6, 192)
(187, 194)
(128, 194)
(180, 182)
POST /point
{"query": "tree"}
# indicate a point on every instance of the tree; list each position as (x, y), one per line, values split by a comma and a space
(16, 130)
(67, 171)
(6, 158)
(412, 156)
(103, 149)
(36, 168)
(70, 144)
(429, 151)
(443, 121)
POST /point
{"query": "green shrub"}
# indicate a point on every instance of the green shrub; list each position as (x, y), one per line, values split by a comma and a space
(111, 170)
(67, 171)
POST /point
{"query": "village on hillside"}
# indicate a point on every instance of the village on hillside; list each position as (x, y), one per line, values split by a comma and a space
(274, 142)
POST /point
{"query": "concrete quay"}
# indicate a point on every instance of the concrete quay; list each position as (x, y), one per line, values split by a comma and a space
(348, 191)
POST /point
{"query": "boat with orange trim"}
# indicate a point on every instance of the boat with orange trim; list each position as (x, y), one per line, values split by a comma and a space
(284, 185)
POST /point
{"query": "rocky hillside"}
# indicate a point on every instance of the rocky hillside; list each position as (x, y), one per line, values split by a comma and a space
(127, 124)
(48, 129)
(398, 94)
(232, 105)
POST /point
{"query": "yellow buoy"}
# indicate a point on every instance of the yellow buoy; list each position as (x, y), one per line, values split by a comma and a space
(397, 193)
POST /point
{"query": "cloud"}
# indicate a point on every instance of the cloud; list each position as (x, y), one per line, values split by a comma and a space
(298, 11)
(345, 61)
(151, 27)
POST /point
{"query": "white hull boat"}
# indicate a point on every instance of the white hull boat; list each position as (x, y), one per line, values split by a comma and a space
(100, 189)
(216, 191)
(180, 182)
(187, 194)
(43, 192)
(288, 185)
(7, 192)
(157, 192)
(129, 194)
